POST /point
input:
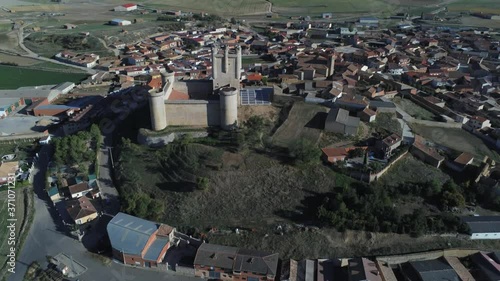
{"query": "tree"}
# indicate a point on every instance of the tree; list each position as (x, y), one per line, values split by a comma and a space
(203, 183)
(304, 152)
(233, 21)
(357, 152)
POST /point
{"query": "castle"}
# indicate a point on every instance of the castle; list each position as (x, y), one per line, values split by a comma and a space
(200, 103)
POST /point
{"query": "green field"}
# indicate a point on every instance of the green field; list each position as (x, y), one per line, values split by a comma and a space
(12, 77)
(334, 6)
(485, 6)
(221, 7)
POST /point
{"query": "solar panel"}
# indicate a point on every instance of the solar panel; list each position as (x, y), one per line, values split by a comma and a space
(258, 96)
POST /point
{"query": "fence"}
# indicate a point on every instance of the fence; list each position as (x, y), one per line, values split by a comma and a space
(460, 253)
(369, 177)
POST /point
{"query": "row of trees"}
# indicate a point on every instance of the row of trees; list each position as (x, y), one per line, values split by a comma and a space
(373, 208)
(75, 149)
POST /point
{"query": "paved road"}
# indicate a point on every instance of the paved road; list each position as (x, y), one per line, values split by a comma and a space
(47, 236)
(105, 181)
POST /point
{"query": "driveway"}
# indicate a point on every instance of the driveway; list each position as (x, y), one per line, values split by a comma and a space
(47, 236)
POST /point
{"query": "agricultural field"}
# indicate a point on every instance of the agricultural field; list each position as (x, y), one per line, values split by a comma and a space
(456, 139)
(336, 6)
(304, 121)
(414, 109)
(12, 77)
(485, 6)
(220, 7)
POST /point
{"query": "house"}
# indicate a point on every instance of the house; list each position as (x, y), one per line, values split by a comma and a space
(139, 242)
(367, 115)
(383, 106)
(430, 270)
(53, 193)
(126, 7)
(363, 269)
(388, 144)
(477, 122)
(488, 265)
(306, 270)
(69, 26)
(81, 210)
(425, 153)
(229, 263)
(461, 162)
(339, 121)
(120, 22)
(352, 102)
(8, 172)
(483, 227)
(335, 154)
(45, 140)
(327, 15)
(79, 189)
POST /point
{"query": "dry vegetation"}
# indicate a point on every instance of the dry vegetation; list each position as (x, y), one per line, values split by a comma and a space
(304, 121)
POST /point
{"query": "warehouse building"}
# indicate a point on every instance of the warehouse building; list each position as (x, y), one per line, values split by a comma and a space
(483, 227)
(30, 94)
(139, 242)
(120, 22)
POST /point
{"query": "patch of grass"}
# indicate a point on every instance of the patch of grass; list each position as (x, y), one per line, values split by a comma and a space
(387, 122)
(48, 45)
(414, 109)
(12, 77)
(55, 66)
(305, 121)
(456, 139)
(420, 173)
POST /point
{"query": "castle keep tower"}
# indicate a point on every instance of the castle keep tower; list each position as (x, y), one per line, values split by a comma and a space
(226, 67)
(228, 108)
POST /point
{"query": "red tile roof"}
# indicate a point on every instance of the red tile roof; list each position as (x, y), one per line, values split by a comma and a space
(464, 158)
(128, 5)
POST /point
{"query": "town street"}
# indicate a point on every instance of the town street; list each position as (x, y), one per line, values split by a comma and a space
(47, 236)
(105, 181)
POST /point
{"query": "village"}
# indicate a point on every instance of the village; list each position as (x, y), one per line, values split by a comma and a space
(354, 99)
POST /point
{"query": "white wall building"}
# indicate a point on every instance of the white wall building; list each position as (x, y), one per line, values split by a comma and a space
(126, 7)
